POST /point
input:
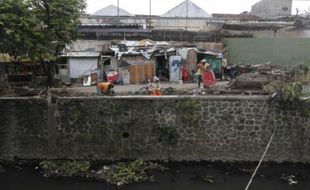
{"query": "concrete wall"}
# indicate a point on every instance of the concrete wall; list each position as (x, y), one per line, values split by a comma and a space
(180, 24)
(3, 75)
(23, 128)
(201, 128)
(283, 51)
(281, 33)
(272, 8)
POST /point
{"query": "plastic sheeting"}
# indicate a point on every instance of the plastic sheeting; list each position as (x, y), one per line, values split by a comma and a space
(175, 65)
(183, 53)
(82, 66)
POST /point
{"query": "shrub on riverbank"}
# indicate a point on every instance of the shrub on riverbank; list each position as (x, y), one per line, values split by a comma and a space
(124, 173)
(121, 173)
(66, 168)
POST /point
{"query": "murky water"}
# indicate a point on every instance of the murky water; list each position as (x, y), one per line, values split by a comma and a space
(179, 177)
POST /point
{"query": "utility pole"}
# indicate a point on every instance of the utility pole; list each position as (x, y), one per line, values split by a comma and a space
(118, 19)
(150, 23)
(186, 19)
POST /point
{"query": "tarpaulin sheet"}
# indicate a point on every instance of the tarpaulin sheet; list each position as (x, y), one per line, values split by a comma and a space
(81, 66)
(175, 64)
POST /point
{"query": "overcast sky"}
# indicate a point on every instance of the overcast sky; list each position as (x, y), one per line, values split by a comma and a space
(160, 7)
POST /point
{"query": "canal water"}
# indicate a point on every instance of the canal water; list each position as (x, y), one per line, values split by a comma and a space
(181, 176)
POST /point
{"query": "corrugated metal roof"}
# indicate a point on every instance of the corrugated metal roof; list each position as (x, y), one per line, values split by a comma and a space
(193, 11)
(81, 54)
(111, 10)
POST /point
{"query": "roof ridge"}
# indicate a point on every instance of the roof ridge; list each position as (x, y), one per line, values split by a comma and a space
(109, 11)
(200, 12)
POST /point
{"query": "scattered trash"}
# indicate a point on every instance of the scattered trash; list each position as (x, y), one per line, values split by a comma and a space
(254, 81)
(246, 170)
(209, 179)
(290, 179)
(124, 173)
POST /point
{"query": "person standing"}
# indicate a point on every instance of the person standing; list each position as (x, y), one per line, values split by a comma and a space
(155, 87)
(200, 70)
(149, 87)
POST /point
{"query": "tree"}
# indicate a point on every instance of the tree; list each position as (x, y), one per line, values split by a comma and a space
(17, 28)
(39, 29)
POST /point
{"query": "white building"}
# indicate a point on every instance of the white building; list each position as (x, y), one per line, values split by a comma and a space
(112, 10)
(272, 8)
(187, 8)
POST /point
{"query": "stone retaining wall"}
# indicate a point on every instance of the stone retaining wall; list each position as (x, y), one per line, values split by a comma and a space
(164, 128)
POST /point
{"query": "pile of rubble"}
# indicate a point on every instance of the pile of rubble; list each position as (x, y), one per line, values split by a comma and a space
(255, 77)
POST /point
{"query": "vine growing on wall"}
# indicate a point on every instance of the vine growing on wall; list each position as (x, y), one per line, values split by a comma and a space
(189, 111)
(168, 134)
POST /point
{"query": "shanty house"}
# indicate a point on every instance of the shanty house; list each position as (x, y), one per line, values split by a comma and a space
(132, 68)
(77, 65)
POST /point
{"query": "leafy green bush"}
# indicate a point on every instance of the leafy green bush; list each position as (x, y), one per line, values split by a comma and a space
(286, 94)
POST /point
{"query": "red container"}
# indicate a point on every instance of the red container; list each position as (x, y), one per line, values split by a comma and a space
(112, 76)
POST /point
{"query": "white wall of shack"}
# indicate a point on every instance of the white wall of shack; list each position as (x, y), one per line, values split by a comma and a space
(78, 67)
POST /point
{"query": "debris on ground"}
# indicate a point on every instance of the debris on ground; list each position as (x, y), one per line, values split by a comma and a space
(250, 81)
(65, 168)
(209, 179)
(256, 77)
(119, 174)
(20, 91)
(267, 69)
(141, 91)
(125, 173)
(247, 171)
(290, 179)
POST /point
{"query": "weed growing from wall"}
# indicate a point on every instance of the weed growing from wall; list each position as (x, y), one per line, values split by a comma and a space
(168, 134)
(287, 95)
(189, 112)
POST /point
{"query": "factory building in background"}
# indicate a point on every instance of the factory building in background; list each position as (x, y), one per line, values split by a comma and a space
(272, 8)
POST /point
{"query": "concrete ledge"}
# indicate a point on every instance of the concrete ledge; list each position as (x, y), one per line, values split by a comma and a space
(24, 98)
(169, 97)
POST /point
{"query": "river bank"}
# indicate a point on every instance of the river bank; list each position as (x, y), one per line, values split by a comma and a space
(181, 176)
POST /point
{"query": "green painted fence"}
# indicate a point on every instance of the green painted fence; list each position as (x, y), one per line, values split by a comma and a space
(284, 51)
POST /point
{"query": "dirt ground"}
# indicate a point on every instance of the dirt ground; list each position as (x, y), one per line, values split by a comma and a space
(185, 88)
